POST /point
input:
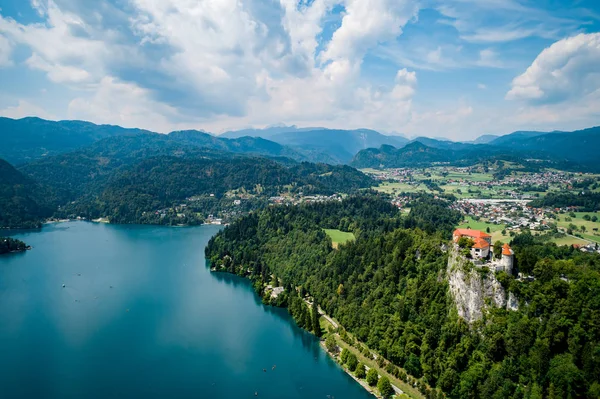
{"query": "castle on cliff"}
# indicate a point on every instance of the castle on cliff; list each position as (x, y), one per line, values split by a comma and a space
(483, 248)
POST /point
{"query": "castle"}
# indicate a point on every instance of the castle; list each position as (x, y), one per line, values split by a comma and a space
(482, 248)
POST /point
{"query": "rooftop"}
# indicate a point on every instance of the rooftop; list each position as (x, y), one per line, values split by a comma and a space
(471, 233)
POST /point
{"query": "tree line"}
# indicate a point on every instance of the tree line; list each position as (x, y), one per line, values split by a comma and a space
(388, 289)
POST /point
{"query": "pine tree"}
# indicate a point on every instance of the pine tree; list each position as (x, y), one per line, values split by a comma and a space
(315, 319)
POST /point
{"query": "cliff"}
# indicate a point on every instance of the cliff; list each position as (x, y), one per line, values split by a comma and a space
(473, 288)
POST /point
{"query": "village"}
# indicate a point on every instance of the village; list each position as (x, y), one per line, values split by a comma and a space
(480, 182)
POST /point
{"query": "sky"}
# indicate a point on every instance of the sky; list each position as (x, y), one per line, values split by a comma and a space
(455, 69)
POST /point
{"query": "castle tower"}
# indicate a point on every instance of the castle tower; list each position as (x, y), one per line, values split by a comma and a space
(508, 258)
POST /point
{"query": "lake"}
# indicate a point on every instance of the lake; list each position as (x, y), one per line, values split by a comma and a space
(142, 316)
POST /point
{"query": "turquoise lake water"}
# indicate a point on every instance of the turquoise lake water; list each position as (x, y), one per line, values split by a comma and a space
(141, 316)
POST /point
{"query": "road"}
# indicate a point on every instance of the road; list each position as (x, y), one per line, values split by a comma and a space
(323, 314)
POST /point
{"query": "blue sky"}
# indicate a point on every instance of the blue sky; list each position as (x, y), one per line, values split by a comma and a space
(453, 68)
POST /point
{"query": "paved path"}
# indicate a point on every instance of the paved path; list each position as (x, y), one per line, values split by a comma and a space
(323, 314)
(397, 390)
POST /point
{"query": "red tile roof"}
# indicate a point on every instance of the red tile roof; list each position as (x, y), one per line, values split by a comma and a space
(506, 250)
(480, 243)
(471, 233)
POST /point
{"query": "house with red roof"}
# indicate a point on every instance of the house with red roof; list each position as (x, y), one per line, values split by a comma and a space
(482, 241)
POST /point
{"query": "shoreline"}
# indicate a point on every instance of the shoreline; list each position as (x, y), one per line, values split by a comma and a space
(409, 392)
(366, 386)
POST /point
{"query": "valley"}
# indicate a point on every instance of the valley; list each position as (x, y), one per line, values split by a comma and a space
(362, 258)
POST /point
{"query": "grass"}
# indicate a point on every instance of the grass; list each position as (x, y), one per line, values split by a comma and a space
(482, 225)
(569, 241)
(578, 221)
(339, 237)
(390, 188)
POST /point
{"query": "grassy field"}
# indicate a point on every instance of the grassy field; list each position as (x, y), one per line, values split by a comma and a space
(569, 241)
(482, 225)
(391, 188)
(590, 233)
(339, 237)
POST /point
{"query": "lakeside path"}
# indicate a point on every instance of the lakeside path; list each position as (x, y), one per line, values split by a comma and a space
(400, 387)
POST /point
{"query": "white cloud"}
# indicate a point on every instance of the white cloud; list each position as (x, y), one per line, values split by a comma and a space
(481, 86)
(489, 58)
(502, 21)
(23, 109)
(235, 63)
(120, 103)
(568, 69)
(5, 52)
(505, 34)
(367, 23)
(69, 50)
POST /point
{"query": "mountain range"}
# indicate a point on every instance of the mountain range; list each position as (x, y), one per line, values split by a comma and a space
(30, 139)
(571, 150)
(339, 145)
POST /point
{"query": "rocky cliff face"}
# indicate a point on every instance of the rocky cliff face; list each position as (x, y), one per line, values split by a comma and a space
(473, 290)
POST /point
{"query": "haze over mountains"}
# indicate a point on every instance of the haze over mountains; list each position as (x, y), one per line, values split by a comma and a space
(29, 139)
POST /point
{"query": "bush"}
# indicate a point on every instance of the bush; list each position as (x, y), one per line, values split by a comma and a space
(360, 372)
(385, 387)
(372, 377)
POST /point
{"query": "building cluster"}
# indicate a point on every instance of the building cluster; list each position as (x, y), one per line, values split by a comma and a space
(515, 214)
(515, 186)
(303, 199)
(482, 250)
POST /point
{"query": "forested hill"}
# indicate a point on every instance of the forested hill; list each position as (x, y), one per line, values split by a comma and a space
(128, 176)
(27, 139)
(388, 288)
(23, 202)
(85, 170)
(246, 145)
(130, 194)
(427, 152)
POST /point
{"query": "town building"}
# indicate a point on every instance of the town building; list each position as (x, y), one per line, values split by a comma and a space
(482, 241)
(482, 250)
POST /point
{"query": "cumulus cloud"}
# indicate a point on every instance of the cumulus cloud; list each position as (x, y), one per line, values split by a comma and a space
(234, 63)
(5, 52)
(63, 46)
(567, 69)
(367, 23)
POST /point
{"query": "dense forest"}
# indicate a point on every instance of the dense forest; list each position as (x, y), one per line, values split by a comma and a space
(388, 289)
(23, 202)
(8, 245)
(129, 177)
(133, 195)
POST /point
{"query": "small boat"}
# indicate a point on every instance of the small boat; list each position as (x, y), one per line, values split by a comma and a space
(64, 286)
